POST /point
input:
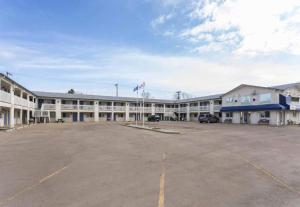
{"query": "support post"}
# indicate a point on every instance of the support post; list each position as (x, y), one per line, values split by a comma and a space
(96, 111)
(188, 117)
(127, 118)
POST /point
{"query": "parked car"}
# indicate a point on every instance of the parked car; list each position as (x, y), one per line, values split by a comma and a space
(154, 118)
(208, 118)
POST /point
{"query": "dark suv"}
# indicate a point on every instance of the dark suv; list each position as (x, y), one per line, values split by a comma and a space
(208, 118)
(154, 118)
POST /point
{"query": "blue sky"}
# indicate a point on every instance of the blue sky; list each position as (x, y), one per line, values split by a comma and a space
(197, 46)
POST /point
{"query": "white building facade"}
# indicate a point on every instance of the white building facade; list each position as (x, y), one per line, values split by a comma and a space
(245, 104)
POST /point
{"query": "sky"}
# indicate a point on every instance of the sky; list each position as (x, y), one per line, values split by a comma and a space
(200, 47)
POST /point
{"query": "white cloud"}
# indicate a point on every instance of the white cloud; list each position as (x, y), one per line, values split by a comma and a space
(163, 74)
(161, 20)
(255, 26)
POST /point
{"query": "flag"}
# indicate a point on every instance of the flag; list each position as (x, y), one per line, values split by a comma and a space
(142, 86)
(135, 88)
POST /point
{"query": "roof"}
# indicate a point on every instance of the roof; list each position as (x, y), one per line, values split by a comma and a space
(202, 98)
(14, 82)
(246, 85)
(287, 86)
(95, 97)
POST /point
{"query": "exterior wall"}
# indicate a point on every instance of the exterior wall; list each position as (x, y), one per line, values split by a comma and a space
(236, 118)
(253, 92)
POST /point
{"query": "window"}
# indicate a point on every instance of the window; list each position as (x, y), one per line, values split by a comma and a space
(265, 114)
(294, 114)
(245, 99)
(229, 114)
(265, 98)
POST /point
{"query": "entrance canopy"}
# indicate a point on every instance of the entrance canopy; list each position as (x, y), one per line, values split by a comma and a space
(254, 108)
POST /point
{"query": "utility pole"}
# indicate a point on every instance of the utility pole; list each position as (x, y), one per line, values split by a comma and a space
(117, 89)
(178, 98)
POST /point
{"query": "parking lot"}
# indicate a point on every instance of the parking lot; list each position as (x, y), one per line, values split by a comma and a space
(110, 165)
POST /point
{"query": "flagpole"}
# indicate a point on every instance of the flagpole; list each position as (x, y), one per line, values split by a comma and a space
(143, 107)
(136, 108)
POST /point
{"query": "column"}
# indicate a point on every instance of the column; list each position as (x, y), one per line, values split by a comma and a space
(78, 112)
(57, 109)
(188, 117)
(28, 107)
(153, 109)
(96, 111)
(112, 111)
(12, 108)
(199, 108)
(211, 107)
(21, 115)
(164, 111)
(127, 118)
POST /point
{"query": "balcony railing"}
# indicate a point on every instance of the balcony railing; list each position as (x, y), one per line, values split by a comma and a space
(119, 108)
(86, 107)
(48, 107)
(203, 108)
(217, 107)
(20, 101)
(194, 109)
(159, 110)
(69, 107)
(105, 108)
(5, 97)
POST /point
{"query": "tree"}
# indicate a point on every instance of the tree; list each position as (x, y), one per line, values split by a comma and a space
(71, 91)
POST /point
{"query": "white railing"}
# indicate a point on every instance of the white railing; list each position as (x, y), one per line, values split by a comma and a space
(18, 100)
(105, 108)
(86, 107)
(159, 110)
(203, 108)
(31, 104)
(147, 109)
(217, 107)
(48, 107)
(169, 110)
(119, 108)
(5, 97)
(194, 109)
(69, 107)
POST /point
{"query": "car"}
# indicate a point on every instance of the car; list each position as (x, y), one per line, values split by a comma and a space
(208, 118)
(154, 118)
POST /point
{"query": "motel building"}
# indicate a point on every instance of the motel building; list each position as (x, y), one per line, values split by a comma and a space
(245, 104)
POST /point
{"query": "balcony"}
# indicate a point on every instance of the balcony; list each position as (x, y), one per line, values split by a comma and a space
(217, 107)
(119, 108)
(20, 101)
(194, 109)
(69, 107)
(105, 108)
(169, 110)
(5, 97)
(203, 108)
(86, 107)
(159, 110)
(31, 104)
(48, 107)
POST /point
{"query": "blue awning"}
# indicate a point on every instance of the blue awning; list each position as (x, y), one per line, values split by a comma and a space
(254, 108)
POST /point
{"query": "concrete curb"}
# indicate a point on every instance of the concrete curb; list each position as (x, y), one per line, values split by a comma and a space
(155, 129)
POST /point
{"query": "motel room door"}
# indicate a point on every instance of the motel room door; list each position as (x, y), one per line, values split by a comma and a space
(74, 117)
(81, 117)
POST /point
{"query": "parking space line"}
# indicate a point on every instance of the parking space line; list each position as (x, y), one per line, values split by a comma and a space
(161, 199)
(4, 201)
(266, 172)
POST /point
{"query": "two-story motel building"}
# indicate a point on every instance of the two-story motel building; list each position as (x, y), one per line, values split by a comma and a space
(245, 104)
